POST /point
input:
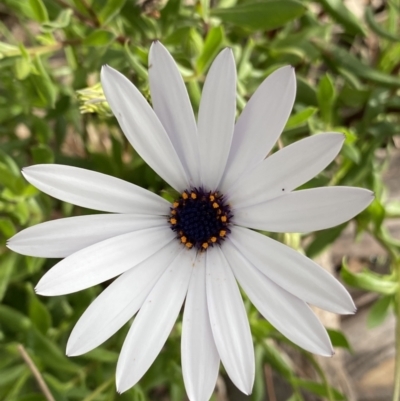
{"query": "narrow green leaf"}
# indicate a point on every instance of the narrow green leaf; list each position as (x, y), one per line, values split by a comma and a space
(39, 10)
(43, 84)
(318, 388)
(301, 117)
(42, 154)
(367, 280)
(326, 96)
(38, 312)
(323, 239)
(375, 27)
(339, 57)
(261, 15)
(379, 311)
(99, 37)
(277, 361)
(212, 45)
(338, 339)
(110, 10)
(62, 21)
(340, 13)
(22, 68)
(50, 353)
(7, 263)
(14, 320)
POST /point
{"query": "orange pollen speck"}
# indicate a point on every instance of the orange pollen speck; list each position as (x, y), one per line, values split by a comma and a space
(223, 219)
(205, 245)
(185, 195)
(222, 233)
(215, 205)
(189, 244)
(183, 239)
(213, 239)
(175, 204)
(212, 198)
(173, 212)
(193, 195)
(172, 221)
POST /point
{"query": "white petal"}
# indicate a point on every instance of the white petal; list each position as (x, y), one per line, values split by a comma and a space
(172, 106)
(229, 321)
(200, 359)
(304, 211)
(62, 237)
(261, 123)
(287, 313)
(216, 118)
(154, 321)
(142, 127)
(119, 302)
(286, 170)
(103, 260)
(293, 271)
(94, 190)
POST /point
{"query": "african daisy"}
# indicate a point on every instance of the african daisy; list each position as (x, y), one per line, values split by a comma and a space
(197, 247)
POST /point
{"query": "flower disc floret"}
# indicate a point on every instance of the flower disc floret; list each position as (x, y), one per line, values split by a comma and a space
(201, 219)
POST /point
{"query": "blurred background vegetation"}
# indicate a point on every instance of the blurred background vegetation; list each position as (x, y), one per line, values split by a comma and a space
(347, 60)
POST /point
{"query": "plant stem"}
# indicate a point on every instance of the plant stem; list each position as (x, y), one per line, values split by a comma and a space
(35, 371)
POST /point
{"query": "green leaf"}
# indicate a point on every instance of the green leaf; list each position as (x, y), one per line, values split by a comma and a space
(340, 13)
(261, 15)
(22, 68)
(338, 339)
(375, 27)
(43, 84)
(392, 209)
(379, 311)
(42, 154)
(339, 57)
(301, 117)
(110, 10)
(50, 353)
(14, 320)
(11, 374)
(277, 360)
(7, 227)
(318, 388)
(326, 96)
(99, 37)
(367, 280)
(351, 152)
(63, 20)
(38, 312)
(39, 10)
(7, 263)
(212, 45)
(323, 239)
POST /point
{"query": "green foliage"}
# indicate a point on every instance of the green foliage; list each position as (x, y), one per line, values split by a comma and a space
(53, 110)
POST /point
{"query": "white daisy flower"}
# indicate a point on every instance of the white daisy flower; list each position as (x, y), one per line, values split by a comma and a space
(198, 247)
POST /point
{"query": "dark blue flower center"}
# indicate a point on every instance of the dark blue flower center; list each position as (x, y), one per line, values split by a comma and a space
(200, 218)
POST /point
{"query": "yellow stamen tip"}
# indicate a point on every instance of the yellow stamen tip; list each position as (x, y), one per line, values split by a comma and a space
(223, 219)
(193, 195)
(205, 245)
(172, 220)
(189, 244)
(184, 240)
(215, 205)
(213, 239)
(222, 233)
(185, 195)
